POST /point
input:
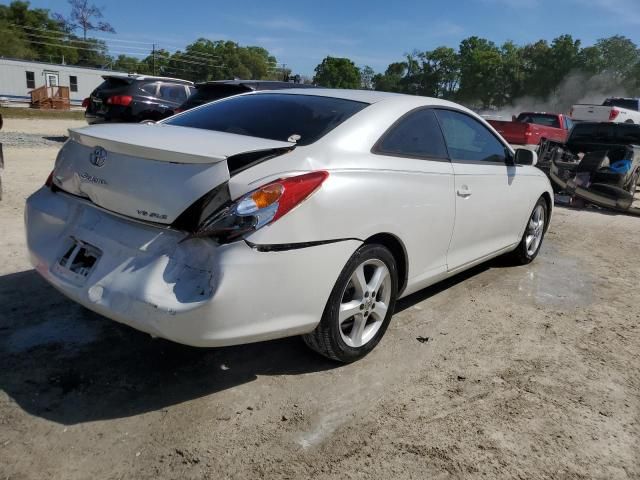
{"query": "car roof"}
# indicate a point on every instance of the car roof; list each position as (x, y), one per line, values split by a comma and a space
(255, 84)
(371, 96)
(134, 76)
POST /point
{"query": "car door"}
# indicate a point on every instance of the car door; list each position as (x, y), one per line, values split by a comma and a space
(420, 179)
(490, 198)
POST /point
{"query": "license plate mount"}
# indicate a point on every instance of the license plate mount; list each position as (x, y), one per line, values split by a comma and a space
(78, 261)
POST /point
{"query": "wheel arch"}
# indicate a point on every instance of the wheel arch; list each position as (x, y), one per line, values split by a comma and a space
(547, 198)
(399, 252)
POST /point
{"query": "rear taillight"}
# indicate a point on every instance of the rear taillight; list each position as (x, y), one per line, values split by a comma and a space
(178, 110)
(85, 102)
(613, 114)
(123, 100)
(260, 207)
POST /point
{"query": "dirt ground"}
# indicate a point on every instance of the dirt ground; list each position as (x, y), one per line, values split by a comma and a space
(502, 372)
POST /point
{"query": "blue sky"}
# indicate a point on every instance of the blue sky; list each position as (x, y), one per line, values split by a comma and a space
(372, 32)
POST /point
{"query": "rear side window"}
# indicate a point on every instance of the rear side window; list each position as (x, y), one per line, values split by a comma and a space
(150, 88)
(172, 92)
(415, 135)
(468, 139)
(296, 118)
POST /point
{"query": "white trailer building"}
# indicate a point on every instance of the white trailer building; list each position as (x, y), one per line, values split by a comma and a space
(19, 77)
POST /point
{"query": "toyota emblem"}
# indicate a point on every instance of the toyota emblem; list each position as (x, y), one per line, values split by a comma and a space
(98, 157)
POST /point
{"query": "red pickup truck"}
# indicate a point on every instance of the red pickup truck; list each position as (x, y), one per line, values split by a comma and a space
(529, 128)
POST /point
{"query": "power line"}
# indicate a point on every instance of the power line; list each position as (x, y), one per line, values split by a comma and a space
(182, 57)
(68, 34)
(204, 56)
(177, 60)
(85, 42)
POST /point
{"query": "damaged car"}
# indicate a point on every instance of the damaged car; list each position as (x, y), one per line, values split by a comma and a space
(273, 214)
(600, 163)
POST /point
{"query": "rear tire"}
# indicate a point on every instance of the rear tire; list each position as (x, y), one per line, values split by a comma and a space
(359, 308)
(529, 246)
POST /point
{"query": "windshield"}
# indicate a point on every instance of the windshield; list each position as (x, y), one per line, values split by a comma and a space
(627, 103)
(295, 118)
(539, 119)
(209, 93)
(607, 133)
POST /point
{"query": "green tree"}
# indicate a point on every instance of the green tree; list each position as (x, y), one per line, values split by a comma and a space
(336, 72)
(480, 65)
(84, 16)
(619, 56)
(367, 75)
(441, 70)
(391, 80)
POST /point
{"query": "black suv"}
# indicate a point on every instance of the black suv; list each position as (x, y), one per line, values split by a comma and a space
(209, 91)
(135, 98)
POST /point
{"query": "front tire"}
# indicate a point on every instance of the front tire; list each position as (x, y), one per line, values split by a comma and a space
(359, 308)
(529, 246)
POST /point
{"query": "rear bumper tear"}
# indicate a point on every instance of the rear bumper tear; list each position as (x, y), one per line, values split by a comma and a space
(283, 247)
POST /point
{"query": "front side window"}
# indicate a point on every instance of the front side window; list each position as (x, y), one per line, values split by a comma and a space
(73, 83)
(31, 80)
(467, 139)
(302, 119)
(416, 135)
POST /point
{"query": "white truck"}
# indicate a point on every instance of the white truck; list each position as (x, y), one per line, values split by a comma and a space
(617, 110)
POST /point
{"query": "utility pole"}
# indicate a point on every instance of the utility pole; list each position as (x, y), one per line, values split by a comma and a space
(153, 52)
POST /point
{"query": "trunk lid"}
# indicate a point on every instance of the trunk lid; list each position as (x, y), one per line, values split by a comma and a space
(149, 172)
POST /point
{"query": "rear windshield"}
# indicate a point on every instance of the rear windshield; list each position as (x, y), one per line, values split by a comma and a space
(209, 93)
(276, 116)
(111, 83)
(607, 133)
(629, 104)
(539, 119)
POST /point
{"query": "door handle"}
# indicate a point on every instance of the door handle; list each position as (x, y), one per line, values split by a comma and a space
(464, 191)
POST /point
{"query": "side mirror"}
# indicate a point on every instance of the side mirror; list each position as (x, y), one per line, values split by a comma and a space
(525, 157)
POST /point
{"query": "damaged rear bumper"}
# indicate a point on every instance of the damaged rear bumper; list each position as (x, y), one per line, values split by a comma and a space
(193, 292)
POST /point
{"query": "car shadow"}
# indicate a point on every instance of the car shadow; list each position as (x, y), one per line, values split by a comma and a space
(66, 364)
(69, 365)
(58, 138)
(426, 293)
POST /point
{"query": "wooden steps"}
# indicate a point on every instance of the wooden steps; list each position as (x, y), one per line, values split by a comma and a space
(50, 98)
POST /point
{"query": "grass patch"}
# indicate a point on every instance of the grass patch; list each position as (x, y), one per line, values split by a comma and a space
(34, 113)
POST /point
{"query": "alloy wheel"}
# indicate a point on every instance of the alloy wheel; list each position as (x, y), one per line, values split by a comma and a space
(365, 302)
(535, 230)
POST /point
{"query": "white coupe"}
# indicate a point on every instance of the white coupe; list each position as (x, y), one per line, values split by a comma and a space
(270, 214)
